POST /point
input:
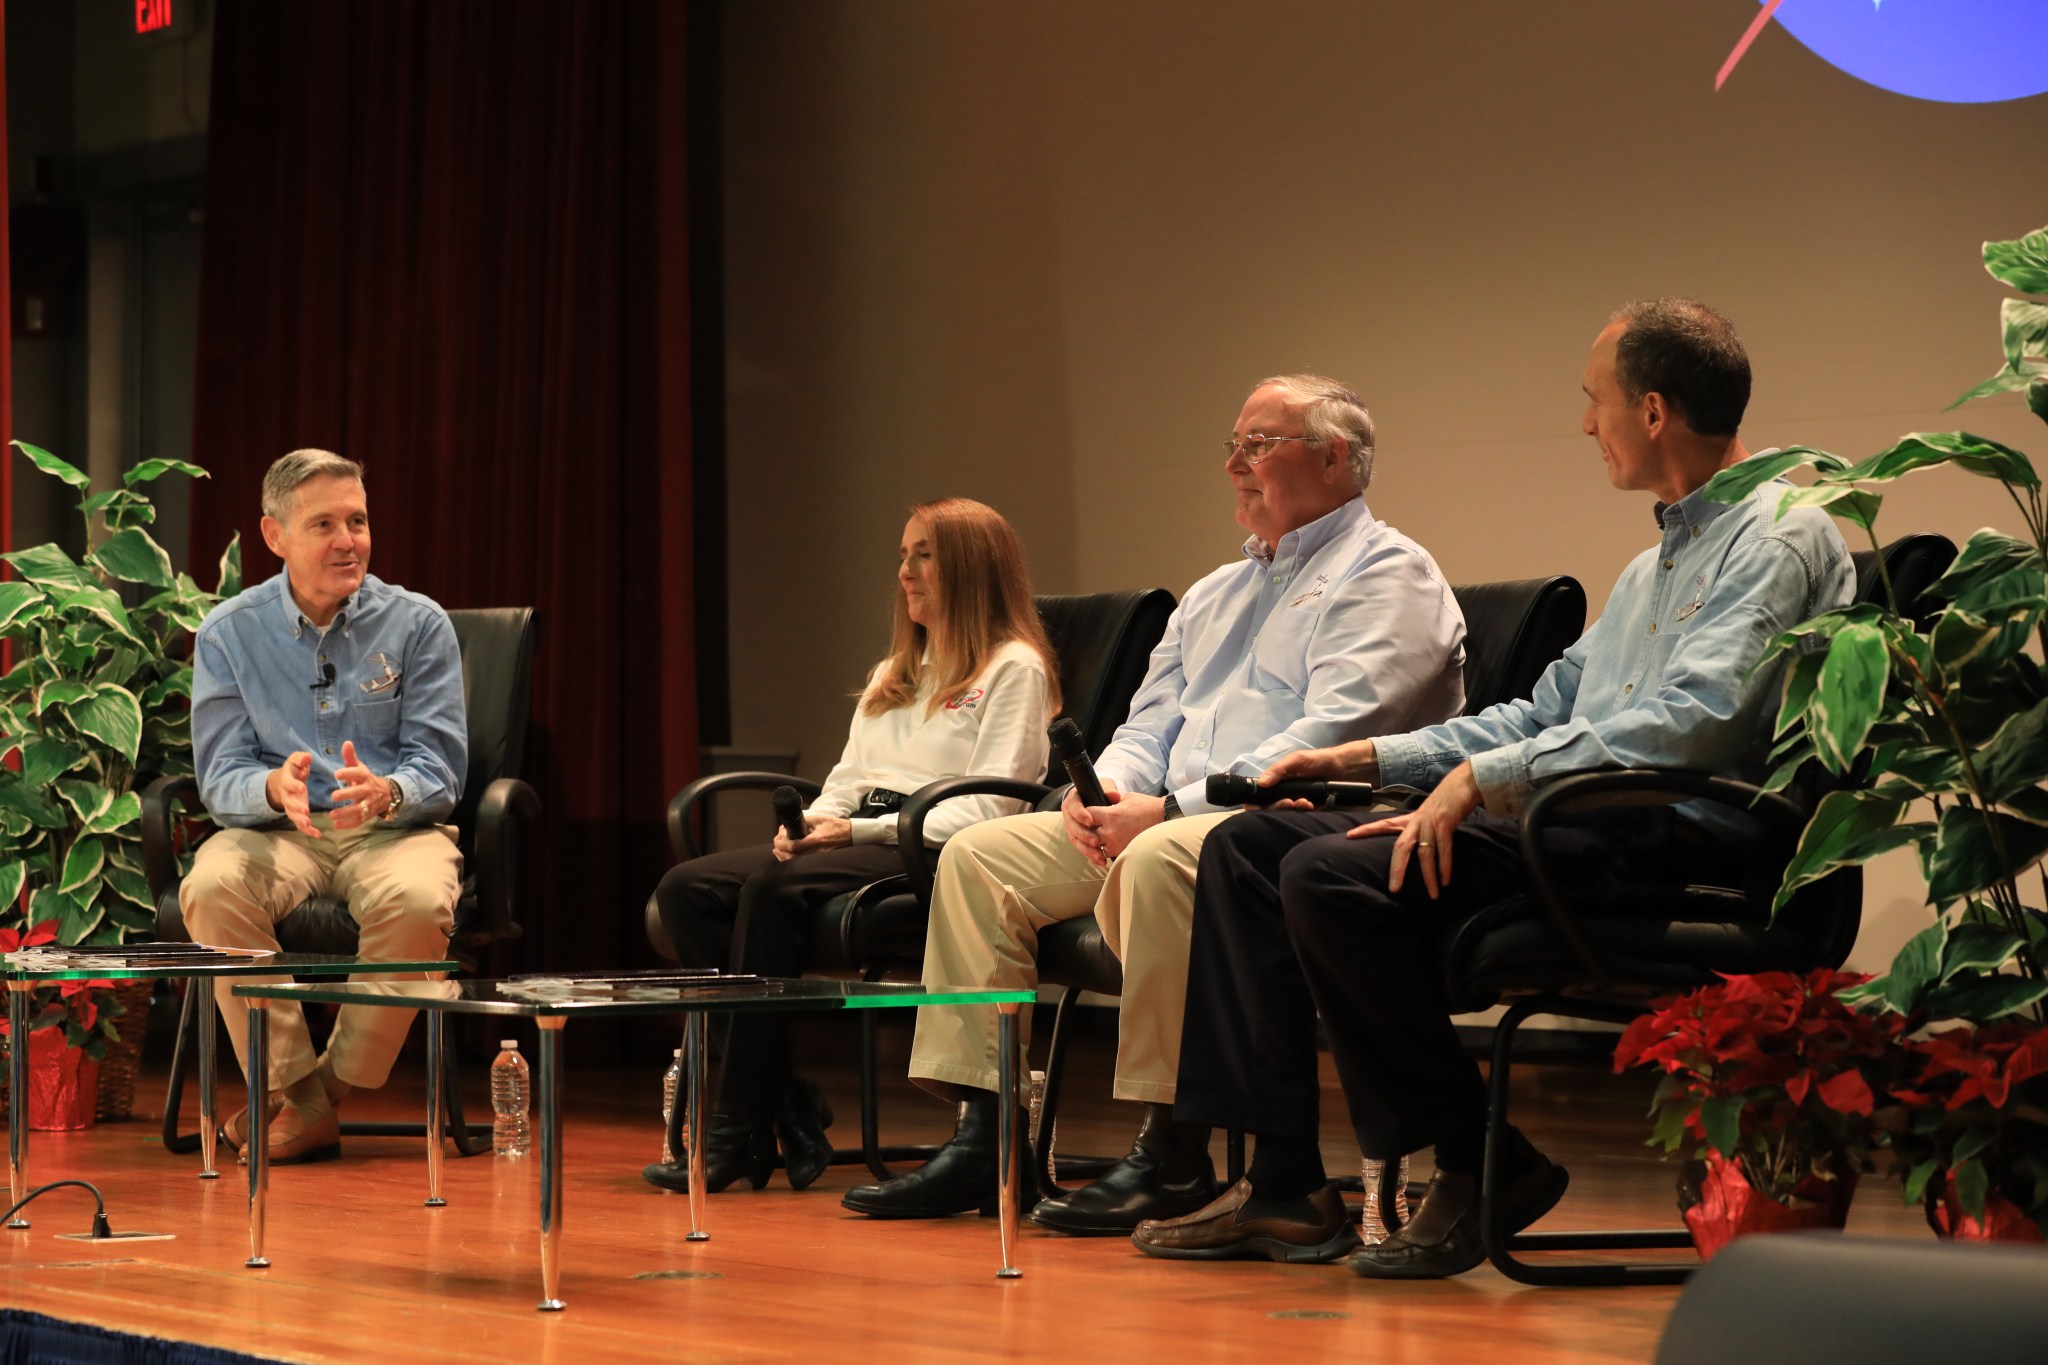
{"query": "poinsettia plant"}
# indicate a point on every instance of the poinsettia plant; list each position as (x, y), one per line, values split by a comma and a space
(1773, 1072)
(85, 1010)
(1969, 1116)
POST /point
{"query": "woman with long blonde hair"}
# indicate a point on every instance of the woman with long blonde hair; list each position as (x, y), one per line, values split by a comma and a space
(967, 687)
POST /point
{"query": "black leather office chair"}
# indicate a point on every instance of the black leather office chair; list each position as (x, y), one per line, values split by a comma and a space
(1513, 630)
(1102, 641)
(1603, 954)
(497, 685)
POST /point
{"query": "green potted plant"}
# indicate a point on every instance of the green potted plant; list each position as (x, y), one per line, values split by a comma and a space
(1946, 716)
(93, 704)
(1768, 1094)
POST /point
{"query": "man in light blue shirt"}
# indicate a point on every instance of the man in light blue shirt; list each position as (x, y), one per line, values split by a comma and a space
(1330, 626)
(329, 736)
(1341, 915)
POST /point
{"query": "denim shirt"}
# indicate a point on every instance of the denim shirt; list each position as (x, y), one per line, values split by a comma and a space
(261, 691)
(1344, 630)
(1665, 677)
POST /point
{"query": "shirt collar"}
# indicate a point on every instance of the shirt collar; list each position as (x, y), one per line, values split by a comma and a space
(1304, 541)
(296, 619)
(1694, 512)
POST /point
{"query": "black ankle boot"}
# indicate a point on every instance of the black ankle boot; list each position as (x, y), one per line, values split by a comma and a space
(1167, 1175)
(800, 1131)
(960, 1177)
(733, 1147)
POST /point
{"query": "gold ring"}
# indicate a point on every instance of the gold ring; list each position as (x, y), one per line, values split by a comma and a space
(1420, 843)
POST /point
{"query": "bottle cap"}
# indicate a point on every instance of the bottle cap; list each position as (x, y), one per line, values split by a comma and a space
(679, 1052)
(509, 1044)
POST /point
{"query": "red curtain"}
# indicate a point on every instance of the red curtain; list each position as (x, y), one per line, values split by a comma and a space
(450, 241)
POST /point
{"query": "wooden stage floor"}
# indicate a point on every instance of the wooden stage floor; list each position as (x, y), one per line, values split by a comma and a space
(362, 1272)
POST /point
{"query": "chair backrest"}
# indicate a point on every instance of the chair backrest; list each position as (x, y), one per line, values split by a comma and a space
(1513, 631)
(1103, 640)
(1913, 562)
(497, 690)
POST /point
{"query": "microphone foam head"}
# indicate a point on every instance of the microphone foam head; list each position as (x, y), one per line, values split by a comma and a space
(1066, 736)
(1230, 789)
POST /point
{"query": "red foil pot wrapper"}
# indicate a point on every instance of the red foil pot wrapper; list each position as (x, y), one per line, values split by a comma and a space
(1731, 1207)
(2002, 1221)
(63, 1083)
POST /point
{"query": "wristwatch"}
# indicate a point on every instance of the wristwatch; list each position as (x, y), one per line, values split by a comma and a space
(397, 798)
(1173, 811)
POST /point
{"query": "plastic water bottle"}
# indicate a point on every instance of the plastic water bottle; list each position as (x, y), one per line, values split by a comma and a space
(670, 1080)
(511, 1097)
(1381, 1220)
(1036, 1102)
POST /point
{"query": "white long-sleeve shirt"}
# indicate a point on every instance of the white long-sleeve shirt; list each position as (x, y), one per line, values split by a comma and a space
(994, 727)
(1344, 630)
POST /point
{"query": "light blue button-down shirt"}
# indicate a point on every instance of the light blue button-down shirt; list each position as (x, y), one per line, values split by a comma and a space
(1344, 630)
(1664, 677)
(395, 689)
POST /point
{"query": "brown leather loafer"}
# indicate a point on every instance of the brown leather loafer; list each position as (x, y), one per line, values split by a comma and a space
(294, 1142)
(234, 1131)
(1444, 1237)
(1302, 1231)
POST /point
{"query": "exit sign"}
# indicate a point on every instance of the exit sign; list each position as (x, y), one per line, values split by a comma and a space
(159, 20)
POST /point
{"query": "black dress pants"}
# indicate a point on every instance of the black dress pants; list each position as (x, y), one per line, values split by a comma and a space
(745, 911)
(1293, 920)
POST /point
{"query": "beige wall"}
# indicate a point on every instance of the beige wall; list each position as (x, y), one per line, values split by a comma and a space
(1034, 253)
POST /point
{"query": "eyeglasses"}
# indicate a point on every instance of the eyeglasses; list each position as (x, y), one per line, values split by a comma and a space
(1257, 446)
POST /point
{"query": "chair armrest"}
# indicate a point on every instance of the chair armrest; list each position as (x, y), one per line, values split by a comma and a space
(507, 805)
(918, 861)
(160, 801)
(1631, 787)
(682, 831)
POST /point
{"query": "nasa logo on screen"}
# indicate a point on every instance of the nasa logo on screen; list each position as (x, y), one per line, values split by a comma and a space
(1954, 51)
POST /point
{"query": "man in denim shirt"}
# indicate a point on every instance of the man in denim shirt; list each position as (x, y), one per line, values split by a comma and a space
(1340, 915)
(328, 728)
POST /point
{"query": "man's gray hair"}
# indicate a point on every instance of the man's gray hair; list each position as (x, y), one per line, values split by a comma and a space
(281, 484)
(1330, 411)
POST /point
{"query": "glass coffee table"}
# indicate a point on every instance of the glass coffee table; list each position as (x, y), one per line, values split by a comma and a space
(26, 970)
(552, 1002)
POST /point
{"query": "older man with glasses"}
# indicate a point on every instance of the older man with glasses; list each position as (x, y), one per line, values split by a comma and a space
(1331, 626)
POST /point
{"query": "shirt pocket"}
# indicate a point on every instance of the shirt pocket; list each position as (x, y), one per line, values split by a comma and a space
(1280, 657)
(375, 718)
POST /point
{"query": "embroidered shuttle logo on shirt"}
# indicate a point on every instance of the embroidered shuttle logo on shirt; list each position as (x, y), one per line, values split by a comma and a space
(1322, 581)
(967, 700)
(389, 678)
(1686, 612)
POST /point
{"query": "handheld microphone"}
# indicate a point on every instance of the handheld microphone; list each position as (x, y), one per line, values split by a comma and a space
(1235, 789)
(326, 677)
(1072, 752)
(789, 812)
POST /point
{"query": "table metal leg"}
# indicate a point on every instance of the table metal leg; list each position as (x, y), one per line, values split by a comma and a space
(19, 996)
(550, 1060)
(437, 1109)
(695, 1056)
(209, 1109)
(1006, 1137)
(256, 1128)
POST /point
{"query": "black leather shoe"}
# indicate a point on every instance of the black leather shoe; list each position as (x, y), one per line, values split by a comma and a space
(959, 1177)
(1145, 1184)
(1305, 1231)
(1444, 1237)
(800, 1131)
(733, 1147)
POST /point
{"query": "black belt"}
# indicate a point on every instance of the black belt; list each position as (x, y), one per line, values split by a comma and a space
(878, 802)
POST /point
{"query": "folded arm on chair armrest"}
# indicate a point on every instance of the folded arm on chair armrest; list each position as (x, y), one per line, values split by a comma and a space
(507, 805)
(159, 818)
(1625, 787)
(682, 832)
(918, 861)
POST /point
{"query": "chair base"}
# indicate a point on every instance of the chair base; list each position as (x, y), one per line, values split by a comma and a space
(1501, 1248)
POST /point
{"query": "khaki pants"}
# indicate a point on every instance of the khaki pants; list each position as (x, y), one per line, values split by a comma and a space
(1002, 881)
(401, 886)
